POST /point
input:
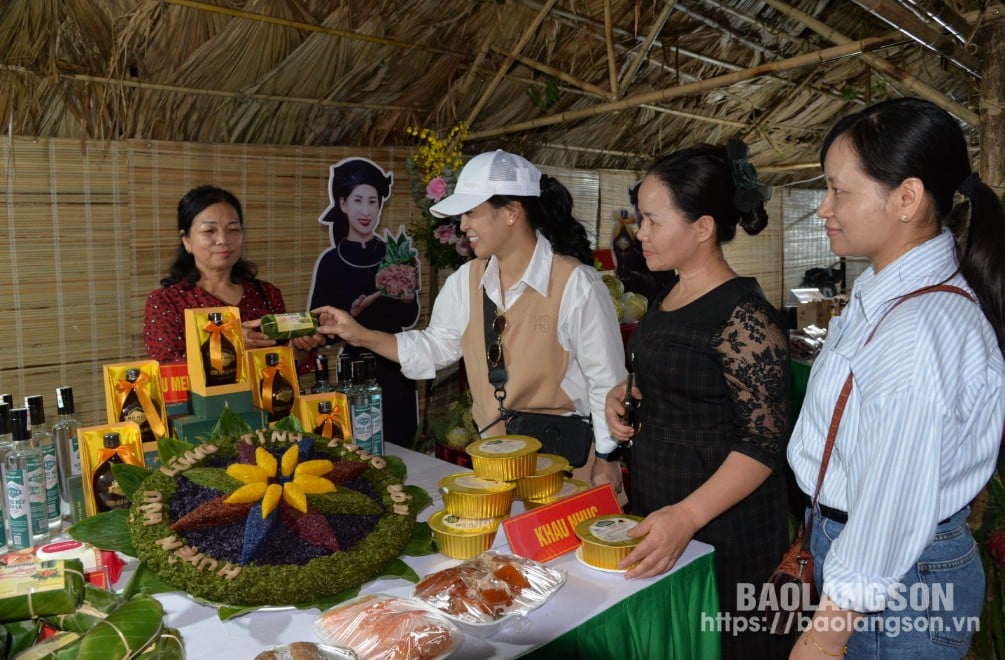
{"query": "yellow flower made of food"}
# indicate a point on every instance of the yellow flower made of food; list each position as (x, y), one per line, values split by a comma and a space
(269, 480)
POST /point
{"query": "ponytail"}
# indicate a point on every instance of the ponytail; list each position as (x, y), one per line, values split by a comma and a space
(981, 252)
(551, 214)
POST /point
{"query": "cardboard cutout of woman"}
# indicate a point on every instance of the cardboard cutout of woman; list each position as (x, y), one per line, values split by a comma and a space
(345, 274)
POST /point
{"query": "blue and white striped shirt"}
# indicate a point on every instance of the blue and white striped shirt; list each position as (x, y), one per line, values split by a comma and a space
(922, 427)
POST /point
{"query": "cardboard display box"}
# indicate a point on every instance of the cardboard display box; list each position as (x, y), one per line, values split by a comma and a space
(196, 334)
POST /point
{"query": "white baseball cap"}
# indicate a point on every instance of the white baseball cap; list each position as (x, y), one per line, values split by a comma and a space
(492, 173)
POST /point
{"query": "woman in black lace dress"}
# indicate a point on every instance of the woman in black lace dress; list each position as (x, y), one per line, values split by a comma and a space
(711, 362)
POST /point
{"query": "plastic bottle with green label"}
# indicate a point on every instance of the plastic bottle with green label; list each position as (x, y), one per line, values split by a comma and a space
(24, 485)
(42, 439)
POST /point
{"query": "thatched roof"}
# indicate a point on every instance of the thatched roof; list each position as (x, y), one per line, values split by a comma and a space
(575, 83)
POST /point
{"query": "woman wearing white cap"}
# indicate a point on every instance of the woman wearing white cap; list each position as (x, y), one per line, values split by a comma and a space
(558, 332)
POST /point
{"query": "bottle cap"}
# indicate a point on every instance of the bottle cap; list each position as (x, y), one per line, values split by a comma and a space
(64, 400)
(271, 359)
(215, 317)
(4, 418)
(36, 409)
(325, 406)
(8, 399)
(321, 364)
(111, 440)
(19, 424)
(132, 375)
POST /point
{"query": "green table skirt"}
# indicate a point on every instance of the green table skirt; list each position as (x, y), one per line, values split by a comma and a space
(663, 620)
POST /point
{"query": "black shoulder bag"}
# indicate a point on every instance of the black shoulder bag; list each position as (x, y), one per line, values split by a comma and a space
(570, 436)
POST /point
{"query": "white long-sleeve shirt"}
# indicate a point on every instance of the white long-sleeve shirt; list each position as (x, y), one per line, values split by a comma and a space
(922, 427)
(587, 329)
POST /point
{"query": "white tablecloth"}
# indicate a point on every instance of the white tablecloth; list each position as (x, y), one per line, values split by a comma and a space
(586, 593)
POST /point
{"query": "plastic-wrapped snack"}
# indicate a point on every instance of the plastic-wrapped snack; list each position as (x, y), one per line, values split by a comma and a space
(489, 588)
(382, 627)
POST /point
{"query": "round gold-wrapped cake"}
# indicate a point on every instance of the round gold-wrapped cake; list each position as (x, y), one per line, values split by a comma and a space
(270, 518)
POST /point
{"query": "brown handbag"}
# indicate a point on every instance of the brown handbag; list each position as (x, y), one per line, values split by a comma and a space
(783, 604)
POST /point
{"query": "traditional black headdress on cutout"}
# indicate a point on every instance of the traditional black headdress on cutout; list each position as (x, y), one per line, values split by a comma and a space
(344, 177)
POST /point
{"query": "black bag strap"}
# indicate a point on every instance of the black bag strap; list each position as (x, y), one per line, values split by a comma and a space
(497, 373)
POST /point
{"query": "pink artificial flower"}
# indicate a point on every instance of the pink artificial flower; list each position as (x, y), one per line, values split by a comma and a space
(437, 189)
(445, 233)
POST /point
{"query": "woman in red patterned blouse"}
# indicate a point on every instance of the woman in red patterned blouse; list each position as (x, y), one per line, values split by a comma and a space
(209, 271)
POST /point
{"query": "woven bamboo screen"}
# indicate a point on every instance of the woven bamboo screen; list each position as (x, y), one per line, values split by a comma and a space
(91, 229)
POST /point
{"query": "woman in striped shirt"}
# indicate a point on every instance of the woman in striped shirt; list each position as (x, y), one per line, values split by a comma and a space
(897, 568)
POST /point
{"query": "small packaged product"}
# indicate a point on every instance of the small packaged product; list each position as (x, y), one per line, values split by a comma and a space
(101, 447)
(484, 592)
(215, 351)
(40, 588)
(133, 393)
(289, 325)
(383, 627)
(325, 414)
(274, 372)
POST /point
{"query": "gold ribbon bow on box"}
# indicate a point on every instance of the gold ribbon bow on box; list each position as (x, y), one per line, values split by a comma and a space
(226, 329)
(123, 387)
(328, 423)
(124, 451)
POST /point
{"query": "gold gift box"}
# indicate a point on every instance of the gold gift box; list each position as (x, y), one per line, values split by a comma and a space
(91, 440)
(504, 457)
(467, 495)
(606, 541)
(148, 390)
(463, 538)
(306, 411)
(546, 480)
(196, 335)
(255, 365)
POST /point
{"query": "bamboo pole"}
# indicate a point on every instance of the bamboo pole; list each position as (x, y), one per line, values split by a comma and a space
(902, 79)
(176, 89)
(647, 45)
(922, 33)
(992, 125)
(589, 88)
(612, 60)
(799, 61)
(527, 34)
(310, 27)
(575, 19)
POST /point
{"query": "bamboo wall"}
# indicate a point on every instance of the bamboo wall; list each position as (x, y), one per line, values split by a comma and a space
(91, 229)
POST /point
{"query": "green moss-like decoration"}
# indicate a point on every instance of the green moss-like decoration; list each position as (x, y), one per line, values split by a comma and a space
(258, 585)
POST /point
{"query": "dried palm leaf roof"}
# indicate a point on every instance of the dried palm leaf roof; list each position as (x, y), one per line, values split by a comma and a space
(576, 83)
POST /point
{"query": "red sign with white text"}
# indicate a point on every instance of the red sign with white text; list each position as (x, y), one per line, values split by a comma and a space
(174, 382)
(549, 531)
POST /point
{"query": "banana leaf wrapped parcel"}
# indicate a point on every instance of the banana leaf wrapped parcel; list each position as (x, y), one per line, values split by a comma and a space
(168, 646)
(16, 636)
(123, 634)
(97, 605)
(40, 588)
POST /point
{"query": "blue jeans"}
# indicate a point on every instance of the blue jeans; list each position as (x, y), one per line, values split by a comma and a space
(942, 597)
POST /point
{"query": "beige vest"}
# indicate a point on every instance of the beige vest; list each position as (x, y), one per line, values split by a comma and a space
(535, 360)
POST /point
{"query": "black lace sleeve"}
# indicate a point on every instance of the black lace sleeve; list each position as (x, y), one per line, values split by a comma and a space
(753, 346)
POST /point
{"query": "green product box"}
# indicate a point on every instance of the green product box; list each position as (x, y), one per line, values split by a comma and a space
(211, 406)
(178, 409)
(191, 428)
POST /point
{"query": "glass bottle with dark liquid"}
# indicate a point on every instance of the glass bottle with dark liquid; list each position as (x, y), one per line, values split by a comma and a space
(277, 395)
(327, 427)
(222, 370)
(132, 409)
(107, 493)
